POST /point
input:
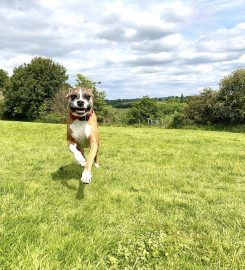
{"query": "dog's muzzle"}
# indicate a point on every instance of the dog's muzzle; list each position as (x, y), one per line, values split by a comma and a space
(80, 110)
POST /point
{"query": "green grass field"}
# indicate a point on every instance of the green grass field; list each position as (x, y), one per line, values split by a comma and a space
(162, 199)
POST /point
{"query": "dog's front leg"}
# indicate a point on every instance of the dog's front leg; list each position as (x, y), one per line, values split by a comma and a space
(86, 176)
(77, 154)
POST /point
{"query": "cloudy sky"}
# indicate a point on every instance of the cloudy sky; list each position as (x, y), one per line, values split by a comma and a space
(135, 48)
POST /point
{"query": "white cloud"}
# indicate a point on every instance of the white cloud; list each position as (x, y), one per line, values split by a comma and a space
(225, 39)
(167, 43)
(134, 47)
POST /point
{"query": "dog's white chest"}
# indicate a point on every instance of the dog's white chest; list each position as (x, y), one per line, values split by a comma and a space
(80, 131)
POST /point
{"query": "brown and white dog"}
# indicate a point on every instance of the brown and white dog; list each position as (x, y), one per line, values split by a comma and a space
(82, 130)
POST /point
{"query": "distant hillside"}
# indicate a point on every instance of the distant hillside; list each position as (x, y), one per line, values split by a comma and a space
(127, 103)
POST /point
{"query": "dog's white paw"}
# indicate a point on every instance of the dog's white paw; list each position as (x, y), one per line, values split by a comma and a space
(80, 158)
(86, 177)
(96, 165)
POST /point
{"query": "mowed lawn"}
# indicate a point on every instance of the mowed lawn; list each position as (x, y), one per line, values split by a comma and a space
(162, 199)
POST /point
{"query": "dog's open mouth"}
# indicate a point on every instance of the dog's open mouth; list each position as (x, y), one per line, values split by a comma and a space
(80, 110)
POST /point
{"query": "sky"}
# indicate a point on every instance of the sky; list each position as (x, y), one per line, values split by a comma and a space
(134, 48)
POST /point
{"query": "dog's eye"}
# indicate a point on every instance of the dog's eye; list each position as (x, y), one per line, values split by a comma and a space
(86, 96)
(73, 96)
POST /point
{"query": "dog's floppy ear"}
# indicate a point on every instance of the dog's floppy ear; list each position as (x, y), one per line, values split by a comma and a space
(68, 95)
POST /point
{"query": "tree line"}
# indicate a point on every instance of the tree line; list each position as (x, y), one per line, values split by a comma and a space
(36, 92)
(129, 102)
(225, 106)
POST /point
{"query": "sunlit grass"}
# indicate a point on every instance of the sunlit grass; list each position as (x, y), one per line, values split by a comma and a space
(162, 199)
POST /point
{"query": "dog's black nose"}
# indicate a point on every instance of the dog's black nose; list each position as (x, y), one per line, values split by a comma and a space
(80, 103)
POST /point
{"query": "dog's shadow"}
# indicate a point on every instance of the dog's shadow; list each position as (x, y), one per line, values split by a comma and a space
(68, 172)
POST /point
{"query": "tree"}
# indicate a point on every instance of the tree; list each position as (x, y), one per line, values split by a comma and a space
(224, 106)
(100, 106)
(59, 101)
(56, 109)
(201, 107)
(32, 86)
(230, 107)
(181, 98)
(4, 79)
(142, 110)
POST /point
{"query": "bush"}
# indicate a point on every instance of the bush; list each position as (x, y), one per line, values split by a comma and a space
(170, 107)
(52, 118)
(115, 116)
(177, 120)
(142, 110)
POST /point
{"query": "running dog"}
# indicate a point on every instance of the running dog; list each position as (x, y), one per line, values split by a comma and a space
(82, 130)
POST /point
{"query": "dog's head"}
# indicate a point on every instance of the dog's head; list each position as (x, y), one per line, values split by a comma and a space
(80, 101)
